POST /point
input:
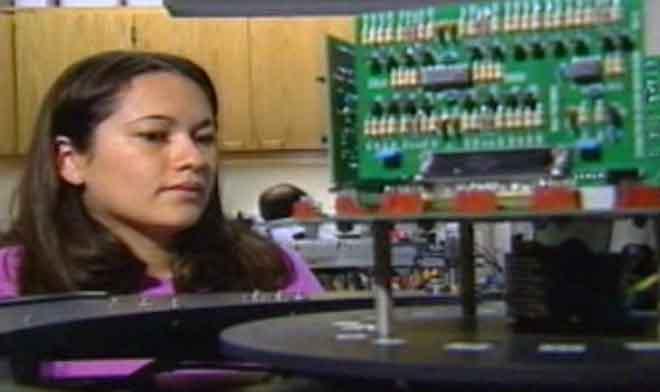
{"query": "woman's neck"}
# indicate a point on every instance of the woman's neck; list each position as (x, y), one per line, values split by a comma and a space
(157, 257)
(150, 247)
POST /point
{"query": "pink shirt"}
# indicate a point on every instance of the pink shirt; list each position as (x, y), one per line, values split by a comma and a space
(302, 281)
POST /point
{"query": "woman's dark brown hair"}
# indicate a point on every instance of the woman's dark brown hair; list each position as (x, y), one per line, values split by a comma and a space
(65, 250)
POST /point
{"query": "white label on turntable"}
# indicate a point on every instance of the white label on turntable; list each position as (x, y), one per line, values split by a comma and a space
(642, 346)
(351, 336)
(354, 326)
(468, 346)
(562, 348)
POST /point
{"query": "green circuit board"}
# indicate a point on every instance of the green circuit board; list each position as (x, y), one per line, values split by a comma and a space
(530, 91)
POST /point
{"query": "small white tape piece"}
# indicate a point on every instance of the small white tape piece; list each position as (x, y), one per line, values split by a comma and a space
(642, 346)
(562, 348)
(389, 342)
(354, 326)
(351, 336)
(346, 324)
(469, 346)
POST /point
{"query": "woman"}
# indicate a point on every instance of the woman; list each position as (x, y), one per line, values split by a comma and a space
(120, 190)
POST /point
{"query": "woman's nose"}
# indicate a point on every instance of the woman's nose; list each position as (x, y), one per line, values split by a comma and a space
(190, 154)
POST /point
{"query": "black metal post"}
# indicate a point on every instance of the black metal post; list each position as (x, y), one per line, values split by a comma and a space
(468, 295)
(382, 274)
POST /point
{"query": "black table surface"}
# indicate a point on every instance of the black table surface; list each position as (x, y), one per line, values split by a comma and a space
(442, 348)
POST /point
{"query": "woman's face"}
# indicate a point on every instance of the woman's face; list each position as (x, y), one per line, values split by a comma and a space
(152, 163)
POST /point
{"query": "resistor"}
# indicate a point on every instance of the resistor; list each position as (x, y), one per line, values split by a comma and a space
(527, 118)
(390, 27)
(474, 121)
(495, 19)
(409, 29)
(371, 30)
(573, 118)
(402, 25)
(506, 18)
(616, 13)
(486, 121)
(422, 122)
(394, 77)
(507, 118)
(579, 14)
(600, 116)
(569, 16)
(415, 77)
(364, 30)
(514, 119)
(406, 124)
(499, 118)
(398, 30)
(589, 16)
(583, 115)
(454, 126)
(538, 116)
(515, 17)
(536, 22)
(558, 17)
(525, 17)
(420, 29)
(465, 121)
(462, 23)
(548, 16)
(613, 65)
(368, 126)
(429, 25)
(391, 125)
(381, 127)
(432, 123)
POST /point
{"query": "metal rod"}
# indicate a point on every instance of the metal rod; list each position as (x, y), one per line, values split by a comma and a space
(466, 241)
(382, 272)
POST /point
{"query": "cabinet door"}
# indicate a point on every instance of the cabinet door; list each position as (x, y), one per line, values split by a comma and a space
(7, 87)
(221, 47)
(288, 70)
(47, 41)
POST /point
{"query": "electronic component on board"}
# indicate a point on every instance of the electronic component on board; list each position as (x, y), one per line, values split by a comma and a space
(585, 71)
(484, 94)
(439, 78)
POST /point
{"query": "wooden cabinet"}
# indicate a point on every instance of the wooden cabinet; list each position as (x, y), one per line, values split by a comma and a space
(270, 73)
(287, 74)
(221, 47)
(47, 41)
(8, 130)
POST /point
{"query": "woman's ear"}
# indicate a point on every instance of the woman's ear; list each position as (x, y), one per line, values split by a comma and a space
(69, 161)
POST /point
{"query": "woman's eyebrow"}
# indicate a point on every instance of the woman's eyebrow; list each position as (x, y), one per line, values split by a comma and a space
(156, 117)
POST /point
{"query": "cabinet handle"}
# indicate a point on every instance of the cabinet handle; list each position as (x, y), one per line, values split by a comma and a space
(273, 143)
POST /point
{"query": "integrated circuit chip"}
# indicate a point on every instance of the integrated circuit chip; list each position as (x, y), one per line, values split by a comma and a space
(585, 71)
(439, 78)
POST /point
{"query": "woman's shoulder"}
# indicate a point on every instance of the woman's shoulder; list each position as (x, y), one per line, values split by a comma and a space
(302, 279)
(10, 260)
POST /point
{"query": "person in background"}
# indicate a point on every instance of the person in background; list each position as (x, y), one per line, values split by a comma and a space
(120, 190)
(276, 202)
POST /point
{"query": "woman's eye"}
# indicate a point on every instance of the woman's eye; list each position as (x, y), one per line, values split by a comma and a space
(205, 138)
(155, 137)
